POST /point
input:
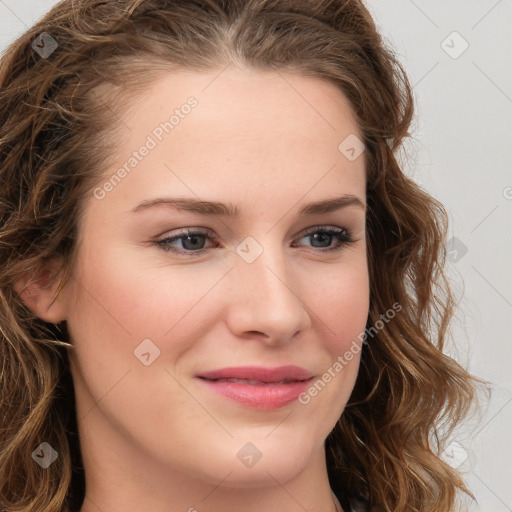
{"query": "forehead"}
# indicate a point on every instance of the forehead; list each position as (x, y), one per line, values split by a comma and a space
(214, 133)
(269, 99)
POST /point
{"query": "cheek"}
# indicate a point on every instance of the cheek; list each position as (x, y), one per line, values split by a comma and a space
(342, 315)
(123, 294)
(342, 307)
(121, 303)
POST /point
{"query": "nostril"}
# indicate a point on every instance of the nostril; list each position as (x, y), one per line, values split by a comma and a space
(258, 333)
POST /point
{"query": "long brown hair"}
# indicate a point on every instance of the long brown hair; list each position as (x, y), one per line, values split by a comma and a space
(59, 119)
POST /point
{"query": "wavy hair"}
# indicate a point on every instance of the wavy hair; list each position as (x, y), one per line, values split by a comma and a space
(58, 131)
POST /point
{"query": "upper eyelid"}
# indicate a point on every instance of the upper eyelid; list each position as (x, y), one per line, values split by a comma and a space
(320, 227)
(198, 230)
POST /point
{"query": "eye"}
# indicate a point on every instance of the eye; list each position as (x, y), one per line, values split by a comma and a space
(192, 241)
(322, 238)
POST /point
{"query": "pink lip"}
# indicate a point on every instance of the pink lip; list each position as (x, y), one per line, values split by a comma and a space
(266, 388)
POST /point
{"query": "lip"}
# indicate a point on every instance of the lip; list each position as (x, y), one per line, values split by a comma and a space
(258, 387)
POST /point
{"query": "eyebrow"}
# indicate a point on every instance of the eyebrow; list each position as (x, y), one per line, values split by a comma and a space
(231, 210)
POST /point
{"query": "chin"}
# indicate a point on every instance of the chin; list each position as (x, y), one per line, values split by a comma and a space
(252, 464)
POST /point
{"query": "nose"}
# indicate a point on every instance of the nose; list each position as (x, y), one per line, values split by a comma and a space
(265, 300)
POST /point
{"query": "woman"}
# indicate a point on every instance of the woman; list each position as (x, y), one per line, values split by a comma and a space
(219, 291)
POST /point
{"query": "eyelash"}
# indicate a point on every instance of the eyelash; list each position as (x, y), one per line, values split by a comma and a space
(343, 235)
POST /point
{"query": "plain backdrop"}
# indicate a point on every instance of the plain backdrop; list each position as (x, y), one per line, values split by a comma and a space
(457, 54)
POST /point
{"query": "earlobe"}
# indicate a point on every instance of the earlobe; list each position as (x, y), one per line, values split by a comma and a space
(38, 294)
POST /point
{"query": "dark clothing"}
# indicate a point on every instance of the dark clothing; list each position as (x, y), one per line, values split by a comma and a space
(354, 504)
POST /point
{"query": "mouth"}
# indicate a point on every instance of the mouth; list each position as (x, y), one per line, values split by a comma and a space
(258, 387)
(251, 382)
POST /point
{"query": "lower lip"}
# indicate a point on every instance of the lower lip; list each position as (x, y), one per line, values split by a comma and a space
(264, 396)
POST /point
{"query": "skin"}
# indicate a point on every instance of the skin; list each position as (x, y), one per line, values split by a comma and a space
(154, 437)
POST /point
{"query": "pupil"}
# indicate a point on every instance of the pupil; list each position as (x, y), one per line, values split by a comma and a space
(193, 239)
(322, 237)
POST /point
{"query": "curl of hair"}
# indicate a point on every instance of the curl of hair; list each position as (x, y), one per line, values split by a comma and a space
(59, 131)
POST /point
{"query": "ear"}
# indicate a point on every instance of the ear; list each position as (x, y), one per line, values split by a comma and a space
(37, 293)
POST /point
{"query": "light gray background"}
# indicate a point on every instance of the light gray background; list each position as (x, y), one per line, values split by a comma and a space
(460, 151)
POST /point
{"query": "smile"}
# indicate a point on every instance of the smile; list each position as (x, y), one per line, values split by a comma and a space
(257, 387)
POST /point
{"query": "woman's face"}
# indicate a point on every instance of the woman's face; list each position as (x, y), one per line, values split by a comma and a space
(193, 353)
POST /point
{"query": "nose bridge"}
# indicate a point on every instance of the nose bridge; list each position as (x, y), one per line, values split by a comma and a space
(268, 301)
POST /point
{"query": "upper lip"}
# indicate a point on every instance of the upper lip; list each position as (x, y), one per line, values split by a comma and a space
(258, 373)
